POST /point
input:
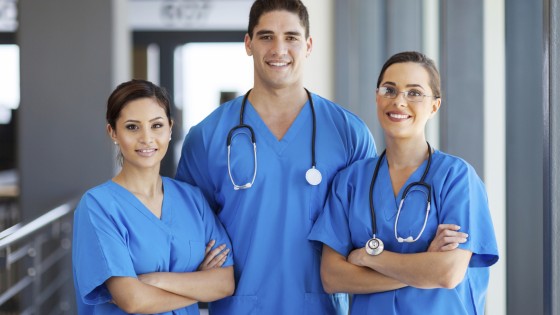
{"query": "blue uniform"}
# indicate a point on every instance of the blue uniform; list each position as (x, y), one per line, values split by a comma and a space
(276, 267)
(116, 235)
(458, 197)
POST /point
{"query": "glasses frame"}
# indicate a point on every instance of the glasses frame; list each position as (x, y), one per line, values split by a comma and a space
(406, 94)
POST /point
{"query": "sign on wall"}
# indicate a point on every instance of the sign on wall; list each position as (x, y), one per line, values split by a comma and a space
(8, 15)
(189, 14)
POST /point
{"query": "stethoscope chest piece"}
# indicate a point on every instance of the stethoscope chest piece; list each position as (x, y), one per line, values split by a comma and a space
(313, 176)
(374, 246)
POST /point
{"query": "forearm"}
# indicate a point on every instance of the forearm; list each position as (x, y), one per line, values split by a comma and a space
(133, 296)
(205, 286)
(422, 270)
(338, 275)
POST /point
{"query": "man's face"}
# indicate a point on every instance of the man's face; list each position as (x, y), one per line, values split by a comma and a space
(279, 48)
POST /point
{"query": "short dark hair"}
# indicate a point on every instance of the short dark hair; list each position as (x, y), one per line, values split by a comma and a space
(261, 7)
(416, 57)
(133, 90)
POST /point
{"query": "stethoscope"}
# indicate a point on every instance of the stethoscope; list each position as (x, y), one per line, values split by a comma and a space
(375, 246)
(313, 175)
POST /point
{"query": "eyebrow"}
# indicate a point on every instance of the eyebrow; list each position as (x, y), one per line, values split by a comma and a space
(269, 32)
(408, 85)
(138, 121)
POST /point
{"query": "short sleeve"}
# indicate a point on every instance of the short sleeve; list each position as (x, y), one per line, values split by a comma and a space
(193, 164)
(331, 227)
(215, 230)
(99, 251)
(465, 203)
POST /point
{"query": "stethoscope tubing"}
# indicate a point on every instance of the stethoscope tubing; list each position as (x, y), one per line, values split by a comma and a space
(313, 174)
(422, 182)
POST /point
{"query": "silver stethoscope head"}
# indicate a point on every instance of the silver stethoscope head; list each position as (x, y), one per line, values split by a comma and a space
(312, 176)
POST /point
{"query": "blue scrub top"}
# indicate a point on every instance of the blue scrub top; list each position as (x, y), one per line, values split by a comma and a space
(276, 267)
(116, 235)
(458, 197)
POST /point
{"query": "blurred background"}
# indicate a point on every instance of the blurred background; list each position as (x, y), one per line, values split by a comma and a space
(59, 61)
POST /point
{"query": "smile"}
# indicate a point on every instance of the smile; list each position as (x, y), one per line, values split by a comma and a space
(278, 64)
(398, 116)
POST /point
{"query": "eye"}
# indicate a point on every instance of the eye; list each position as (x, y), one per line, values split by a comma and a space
(292, 38)
(131, 127)
(387, 91)
(157, 125)
(265, 37)
(415, 93)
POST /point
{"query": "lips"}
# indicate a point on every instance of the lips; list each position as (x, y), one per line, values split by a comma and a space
(278, 63)
(146, 152)
(398, 116)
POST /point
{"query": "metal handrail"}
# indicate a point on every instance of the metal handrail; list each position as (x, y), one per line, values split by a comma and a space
(19, 232)
(22, 245)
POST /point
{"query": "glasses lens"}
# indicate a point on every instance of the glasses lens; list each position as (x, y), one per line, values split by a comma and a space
(414, 96)
(387, 92)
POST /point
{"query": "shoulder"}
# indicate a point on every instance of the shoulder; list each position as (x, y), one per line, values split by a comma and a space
(356, 171)
(100, 192)
(182, 192)
(180, 186)
(330, 108)
(452, 163)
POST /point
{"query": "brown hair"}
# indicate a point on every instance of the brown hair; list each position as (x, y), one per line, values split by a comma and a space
(261, 7)
(133, 90)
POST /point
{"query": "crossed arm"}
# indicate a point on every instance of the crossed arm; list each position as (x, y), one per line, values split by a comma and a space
(442, 266)
(166, 291)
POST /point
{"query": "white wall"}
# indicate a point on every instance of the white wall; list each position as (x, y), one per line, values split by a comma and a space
(319, 71)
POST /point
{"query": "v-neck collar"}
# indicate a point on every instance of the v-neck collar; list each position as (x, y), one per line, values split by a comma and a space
(391, 202)
(136, 203)
(254, 119)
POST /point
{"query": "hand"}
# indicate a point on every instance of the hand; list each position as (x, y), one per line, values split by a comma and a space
(447, 238)
(356, 257)
(214, 258)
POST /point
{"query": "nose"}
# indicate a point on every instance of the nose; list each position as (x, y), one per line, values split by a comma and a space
(400, 99)
(279, 47)
(146, 136)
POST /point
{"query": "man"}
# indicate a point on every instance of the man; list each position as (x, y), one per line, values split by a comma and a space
(269, 194)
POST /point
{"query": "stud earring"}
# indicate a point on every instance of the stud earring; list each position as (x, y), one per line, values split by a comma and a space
(115, 143)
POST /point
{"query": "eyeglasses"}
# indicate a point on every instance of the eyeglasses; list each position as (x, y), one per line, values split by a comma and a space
(411, 96)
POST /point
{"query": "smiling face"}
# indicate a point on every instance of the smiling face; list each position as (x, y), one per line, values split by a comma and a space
(279, 48)
(399, 117)
(142, 132)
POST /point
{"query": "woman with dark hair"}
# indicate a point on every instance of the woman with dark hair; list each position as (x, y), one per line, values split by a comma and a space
(382, 227)
(144, 243)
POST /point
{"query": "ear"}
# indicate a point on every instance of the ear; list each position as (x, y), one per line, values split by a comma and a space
(309, 46)
(171, 125)
(248, 45)
(112, 133)
(435, 106)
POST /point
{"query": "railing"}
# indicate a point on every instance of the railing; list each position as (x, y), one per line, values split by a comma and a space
(35, 265)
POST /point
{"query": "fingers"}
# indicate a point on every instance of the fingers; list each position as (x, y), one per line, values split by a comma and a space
(209, 246)
(214, 258)
(447, 238)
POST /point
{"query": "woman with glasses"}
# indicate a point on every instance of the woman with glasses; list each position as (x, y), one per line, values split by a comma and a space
(382, 227)
(143, 243)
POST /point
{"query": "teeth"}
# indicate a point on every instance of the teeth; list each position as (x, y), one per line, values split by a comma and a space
(278, 64)
(147, 150)
(398, 116)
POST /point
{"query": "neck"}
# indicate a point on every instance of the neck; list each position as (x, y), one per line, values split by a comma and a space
(278, 101)
(143, 182)
(409, 154)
